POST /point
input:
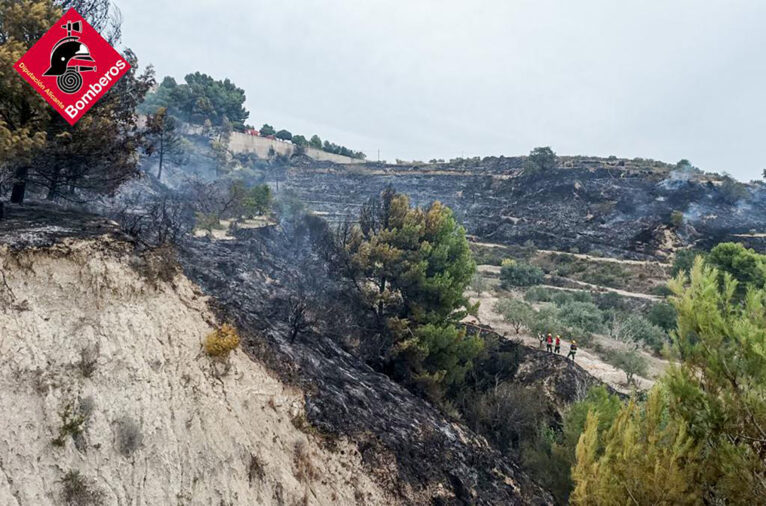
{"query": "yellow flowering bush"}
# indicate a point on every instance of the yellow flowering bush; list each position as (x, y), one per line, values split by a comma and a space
(219, 343)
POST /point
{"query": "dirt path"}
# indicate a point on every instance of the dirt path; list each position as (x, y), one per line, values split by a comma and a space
(605, 259)
(599, 288)
(495, 270)
(588, 359)
(581, 255)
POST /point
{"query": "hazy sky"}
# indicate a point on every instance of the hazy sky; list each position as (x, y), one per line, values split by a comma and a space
(422, 79)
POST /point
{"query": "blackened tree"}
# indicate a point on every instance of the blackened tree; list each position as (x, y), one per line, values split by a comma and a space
(162, 139)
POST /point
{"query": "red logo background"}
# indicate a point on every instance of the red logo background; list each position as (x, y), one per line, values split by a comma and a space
(37, 61)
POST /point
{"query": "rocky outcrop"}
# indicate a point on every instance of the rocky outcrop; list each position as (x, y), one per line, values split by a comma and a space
(562, 381)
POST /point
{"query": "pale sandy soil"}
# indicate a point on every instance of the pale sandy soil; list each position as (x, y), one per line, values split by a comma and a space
(204, 435)
(222, 234)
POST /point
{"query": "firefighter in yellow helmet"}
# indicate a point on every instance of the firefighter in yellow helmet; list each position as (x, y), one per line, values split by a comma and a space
(572, 350)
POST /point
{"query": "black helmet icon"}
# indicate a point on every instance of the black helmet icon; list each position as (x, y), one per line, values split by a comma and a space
(66, 50)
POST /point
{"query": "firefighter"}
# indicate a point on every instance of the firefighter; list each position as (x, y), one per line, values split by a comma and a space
(540, 335)
(557, 348)
(572, 350)
(549, 343)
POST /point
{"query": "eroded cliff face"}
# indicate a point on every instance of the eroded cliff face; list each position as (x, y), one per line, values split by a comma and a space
(93, 340)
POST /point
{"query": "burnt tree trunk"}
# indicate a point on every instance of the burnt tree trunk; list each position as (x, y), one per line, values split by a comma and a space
(19, 185)
(162, 156)
(53, 189)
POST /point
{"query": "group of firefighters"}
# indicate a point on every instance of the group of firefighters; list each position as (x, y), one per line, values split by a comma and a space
(553, 345)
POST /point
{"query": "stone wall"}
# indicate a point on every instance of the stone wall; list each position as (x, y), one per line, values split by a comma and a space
(244, 143)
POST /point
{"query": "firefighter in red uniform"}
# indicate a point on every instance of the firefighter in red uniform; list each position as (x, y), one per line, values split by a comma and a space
(549, 343)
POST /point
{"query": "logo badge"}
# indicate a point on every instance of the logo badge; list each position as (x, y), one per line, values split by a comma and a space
(72, 66)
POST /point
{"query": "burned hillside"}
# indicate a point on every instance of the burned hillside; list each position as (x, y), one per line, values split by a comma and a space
(278, 286)
(612, 207)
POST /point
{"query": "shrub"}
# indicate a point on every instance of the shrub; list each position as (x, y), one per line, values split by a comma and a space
(607, 274)
(528, 249)
(683, 260)
(487, 256)
(540, 159)
(507, 415)
(545, 321)
(744, 264)
(630, 361)
(553, 455)
(514, 273)
(77, 491)
(732, 191)
(582, 336)
(676, 219)
(582, 315)
(208, 221)
(663, 315)
(72, 423)
(220, 342)
(660, 290)
(564, 297)
(498, 359)
(636, 329)
(538, 294)
(517, 313)
(478, 284)
(129, 437)
(440, 355)
(582, 296)
(546, 462)
(610, 300)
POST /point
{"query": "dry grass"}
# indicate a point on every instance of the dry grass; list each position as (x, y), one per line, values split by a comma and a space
(256, 469)
(303, 468)
(88, 360)
(77, 491)
(158, 265)
(72, 424)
